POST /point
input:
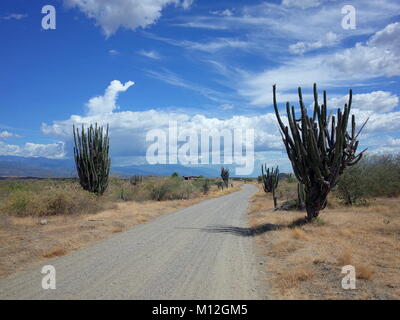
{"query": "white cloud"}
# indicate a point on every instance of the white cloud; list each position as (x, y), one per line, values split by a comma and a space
(106, 103)
(303, 4)
(210, 46)
(218, 44)
(226, 12)
(152, 54)
(130, 14)
(128, 129)
(380, 56)
(7, 134)
(53, 150)
(15, 16)
(378, 122)
(384, 145)
(175, 80)
(267, 21)
(226, 106)
(113, 52)
(330, 39)
(378, 101)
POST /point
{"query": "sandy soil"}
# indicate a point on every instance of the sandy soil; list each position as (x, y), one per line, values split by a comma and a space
(305, 262)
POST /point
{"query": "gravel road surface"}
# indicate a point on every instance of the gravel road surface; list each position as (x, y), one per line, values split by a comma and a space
(200, 252)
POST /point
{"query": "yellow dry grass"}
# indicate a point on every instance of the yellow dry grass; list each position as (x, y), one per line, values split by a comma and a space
(305, 261)
(55, 252)
(24, 240)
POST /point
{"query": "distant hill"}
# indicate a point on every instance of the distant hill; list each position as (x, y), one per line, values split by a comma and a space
(35, 167)
(166, 170)
(13, 166)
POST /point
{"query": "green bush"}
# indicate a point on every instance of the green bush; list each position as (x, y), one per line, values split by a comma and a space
(373, 176)
(47, 197)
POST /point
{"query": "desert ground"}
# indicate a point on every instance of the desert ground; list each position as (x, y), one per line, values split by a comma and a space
(304, 261)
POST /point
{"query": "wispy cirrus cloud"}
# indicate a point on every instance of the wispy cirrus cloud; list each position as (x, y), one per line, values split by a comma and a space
(152, 54)
(328, 40)
(172, 78)
(378, 57)
(14, 16)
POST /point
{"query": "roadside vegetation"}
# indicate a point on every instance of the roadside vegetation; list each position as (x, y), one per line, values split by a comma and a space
(41, 219)
(339, 208)
(45, 218)
(304, 260)
(47, 197)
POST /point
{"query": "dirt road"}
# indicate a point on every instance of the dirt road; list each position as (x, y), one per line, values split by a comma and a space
(200, 252)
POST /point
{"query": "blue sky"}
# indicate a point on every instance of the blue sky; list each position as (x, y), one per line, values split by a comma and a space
(206, 63)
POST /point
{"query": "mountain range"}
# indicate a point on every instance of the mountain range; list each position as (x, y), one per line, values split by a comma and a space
(14, 166)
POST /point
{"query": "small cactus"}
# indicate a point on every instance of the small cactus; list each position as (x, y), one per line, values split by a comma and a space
(206, 186)
(270, 179)
(225, 176)
(136, 180)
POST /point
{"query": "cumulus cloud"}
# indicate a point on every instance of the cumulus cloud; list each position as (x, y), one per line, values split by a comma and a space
(107, 103)
(384, 145)
(128, 129)
(53, 150)
(130, 14)
(378, 101)
(378, 122)
(6, 134)
(379, 56)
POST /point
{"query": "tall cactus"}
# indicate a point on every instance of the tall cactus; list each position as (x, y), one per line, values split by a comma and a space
(319, 147)
(225, 176)
(91, 158)
(270, 180)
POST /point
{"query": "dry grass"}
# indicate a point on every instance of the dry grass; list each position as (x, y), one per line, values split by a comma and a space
(55, 252)
(24, 240)
(345, 258)
(291, 279)
(305, 261)
(364, 272)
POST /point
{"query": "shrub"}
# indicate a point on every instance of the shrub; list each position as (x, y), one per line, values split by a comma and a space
(352, 186)
(51, 199)
(206, 186)
(374, 176)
